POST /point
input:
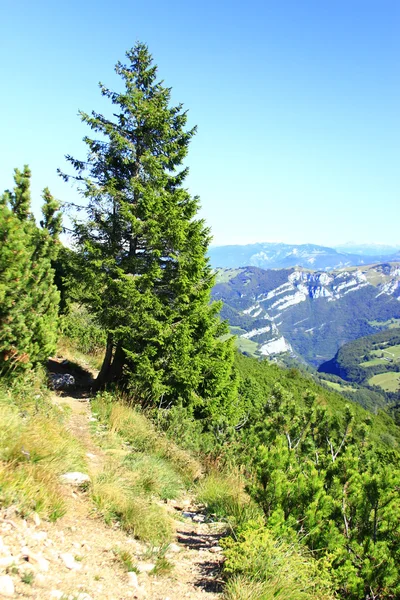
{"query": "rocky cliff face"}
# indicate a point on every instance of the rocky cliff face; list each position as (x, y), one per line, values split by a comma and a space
(308, 313)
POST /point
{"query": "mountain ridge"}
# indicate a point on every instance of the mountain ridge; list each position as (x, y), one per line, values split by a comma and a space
(270, 255)
(309, 314)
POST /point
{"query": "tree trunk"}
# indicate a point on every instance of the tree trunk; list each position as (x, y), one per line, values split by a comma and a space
(115, 370)
(102, 376)
(111, 369)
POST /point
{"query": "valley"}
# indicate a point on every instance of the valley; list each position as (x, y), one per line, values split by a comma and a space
(372, 361)
(305, 314)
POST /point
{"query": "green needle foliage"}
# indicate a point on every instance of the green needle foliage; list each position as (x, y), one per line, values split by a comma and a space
(28, 296)
(142, 251)
(320, 478)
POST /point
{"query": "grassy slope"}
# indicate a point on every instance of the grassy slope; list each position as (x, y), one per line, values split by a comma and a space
(225, 275)
(265, 375)
(338, 387)
(390, 382)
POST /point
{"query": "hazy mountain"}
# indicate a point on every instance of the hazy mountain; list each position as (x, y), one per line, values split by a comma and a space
(377, 250)
(310, 314)
(278, 256)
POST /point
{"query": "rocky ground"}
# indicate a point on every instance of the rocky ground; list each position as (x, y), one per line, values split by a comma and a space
(77, 558)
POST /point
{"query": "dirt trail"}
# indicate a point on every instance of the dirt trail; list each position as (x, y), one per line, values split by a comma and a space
(97, 573)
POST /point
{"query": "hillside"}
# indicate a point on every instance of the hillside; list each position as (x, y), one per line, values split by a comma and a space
(373, 360)
(264, 375)
(310, 256)
(308, 314)
(149, 520)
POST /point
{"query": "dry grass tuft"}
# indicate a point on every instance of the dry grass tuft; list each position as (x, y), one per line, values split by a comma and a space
(116, 495)
(224, 495)
(35, 448)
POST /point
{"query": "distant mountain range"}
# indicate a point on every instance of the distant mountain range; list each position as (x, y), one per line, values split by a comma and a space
(368, 249)
(311, 256)
(308, 314)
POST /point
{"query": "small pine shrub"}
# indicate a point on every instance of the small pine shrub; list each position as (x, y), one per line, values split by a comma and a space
(126, 559)
(28, 297)
(162, 567)
(28, 577)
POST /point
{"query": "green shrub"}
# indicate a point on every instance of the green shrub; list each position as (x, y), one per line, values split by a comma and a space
(82, 329)
(180, 426)
(275, 568)
(224, 496)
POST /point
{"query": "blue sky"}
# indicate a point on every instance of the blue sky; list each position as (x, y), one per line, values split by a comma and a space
(297, 105)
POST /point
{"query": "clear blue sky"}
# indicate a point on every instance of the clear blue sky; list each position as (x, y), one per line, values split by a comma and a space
(297, 104)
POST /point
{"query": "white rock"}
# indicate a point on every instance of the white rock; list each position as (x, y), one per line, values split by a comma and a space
(40, 580)
(6, 586)
(6, 561)
(199, 518)
(38, 561)
(70, 562)
(56, 594)
(216, 549)
(133, 582)
(146, 567)
(174, 548)
(36, 519)
(4, 550)
(132, 579)
(83, 596)
(75, 478)
(39, 536)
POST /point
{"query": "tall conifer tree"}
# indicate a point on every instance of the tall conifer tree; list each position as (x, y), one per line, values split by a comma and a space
(143, 249)
(28, 297)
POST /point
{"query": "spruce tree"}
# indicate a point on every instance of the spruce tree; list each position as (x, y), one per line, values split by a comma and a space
(28, 296)
(143, 249)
